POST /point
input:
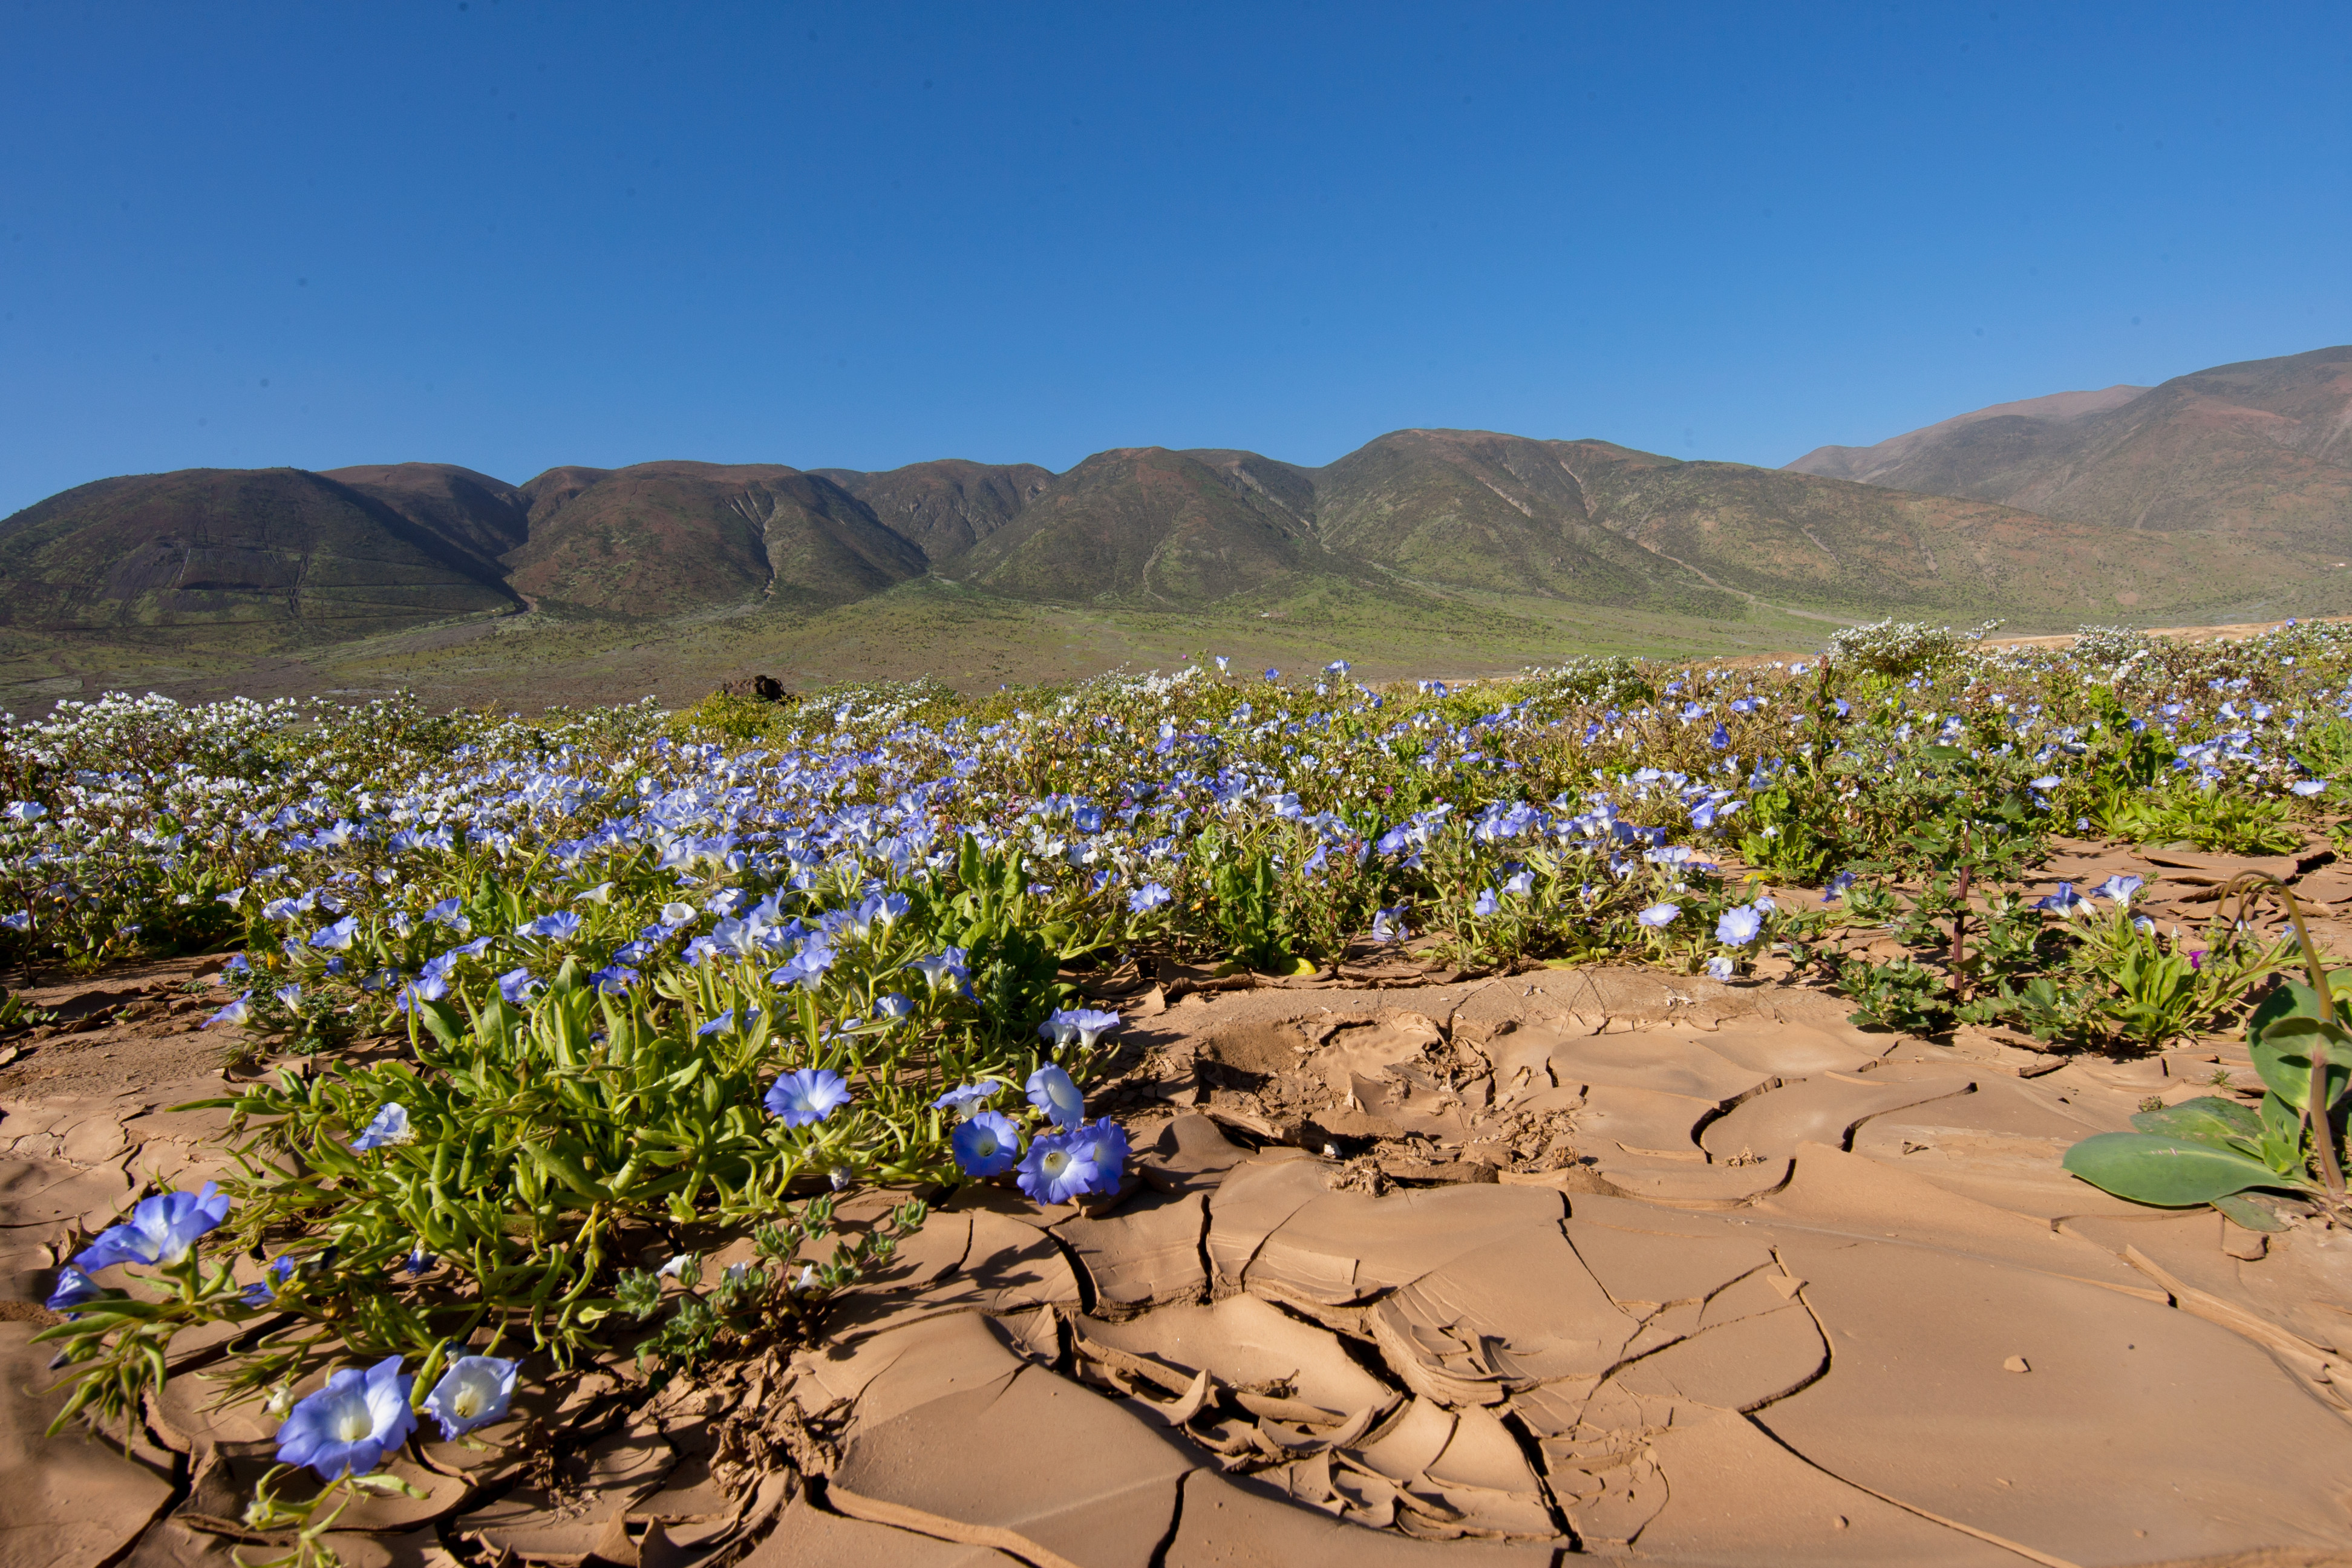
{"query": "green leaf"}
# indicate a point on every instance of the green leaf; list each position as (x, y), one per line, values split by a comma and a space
(2296, 1000)
(2172, 1171)
(2206, 1120)
(2247, 1214)
(2282, 1054)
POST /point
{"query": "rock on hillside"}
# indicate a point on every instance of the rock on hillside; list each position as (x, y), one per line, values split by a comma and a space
(213, 545)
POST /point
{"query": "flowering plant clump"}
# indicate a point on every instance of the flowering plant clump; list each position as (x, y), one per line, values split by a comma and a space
(662, 976)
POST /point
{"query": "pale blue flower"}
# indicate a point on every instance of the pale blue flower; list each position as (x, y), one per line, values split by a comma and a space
(516, 986)
(561, 926)
(988, 1144)
(1147, 898)
(2119, 889)
(1388, 925)
(1520, 886)
(162, 1230)
(1721, 968)
(474, 1392)
(945, 970)
(1658, 915)
(1485, 904)
(2065, 901)
(337, 937)
(1738, 926)
(390, 1126)
(894, 1006)
(1051, 1091)
(805, 1098)
(235, 1013)
(966, 1099)
(350, 1424)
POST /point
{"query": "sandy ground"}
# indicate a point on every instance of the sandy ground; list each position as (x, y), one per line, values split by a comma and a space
(1411, 1270)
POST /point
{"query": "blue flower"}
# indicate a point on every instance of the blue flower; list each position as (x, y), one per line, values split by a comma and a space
(1051, 1091)
(1071, 1165)
(805, 1098)
(1388, 925)
(162, 1230)
(338, 936)
(2119, 889)
(614, 978)
(2065, 901)
(1721, 968)
(288, 995)
(1147, 898)
(390, 1126)
(561, 926)
(966, 1099)
(516, 986)
(1720, 739)
(263, 1291)
(1738, 926)
(1273, 674)
(347, 1425)
(986, 1145)
(474, 1392)
(894, 1006)
(2309, 786)
(1658, 915)
(75, 1289)
(235, 1013)
(1485, 904)
(1521, 885)
(1837, 887)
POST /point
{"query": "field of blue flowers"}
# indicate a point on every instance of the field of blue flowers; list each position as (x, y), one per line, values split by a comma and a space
(666, 977)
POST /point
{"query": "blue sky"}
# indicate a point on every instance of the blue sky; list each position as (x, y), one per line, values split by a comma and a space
(510, 233)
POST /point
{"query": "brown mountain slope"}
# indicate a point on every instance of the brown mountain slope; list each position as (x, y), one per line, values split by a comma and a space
(2262, 450)
(671, 537)
(1867, 465)
(1484, 510)
(1140, 523)
(210, 545)
(1802, 539)
(943, 508)
(474, 512)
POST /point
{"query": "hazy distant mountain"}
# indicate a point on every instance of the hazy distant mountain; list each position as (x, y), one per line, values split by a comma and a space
(213, 545)
(2262, 449)
(2076, 507)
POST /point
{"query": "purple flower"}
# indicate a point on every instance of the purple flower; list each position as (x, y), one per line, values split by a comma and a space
(805, 1098)
(986, 1145)
(162, 1230)
(347, 1427)
(1062, 1167)
(474, 1392)
(1051, 1091)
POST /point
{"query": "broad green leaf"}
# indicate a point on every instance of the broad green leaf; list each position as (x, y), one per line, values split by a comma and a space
(2206, 1120)
(2172, 1171)
(2281, 1054)
(2294, 999)
(2248, 1214)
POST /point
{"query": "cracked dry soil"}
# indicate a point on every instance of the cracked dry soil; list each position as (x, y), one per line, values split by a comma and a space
(1569, 1262)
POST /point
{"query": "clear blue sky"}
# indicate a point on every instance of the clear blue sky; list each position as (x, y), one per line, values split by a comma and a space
(511, 233)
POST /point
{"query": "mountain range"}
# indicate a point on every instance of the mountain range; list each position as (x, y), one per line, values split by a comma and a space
(2224, 492)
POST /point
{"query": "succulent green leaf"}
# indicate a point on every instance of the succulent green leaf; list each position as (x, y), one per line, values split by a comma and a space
(2283, 1051)
(2173, 1172)
(2294, 999)
(2247, 1214)
(2206, 1120)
